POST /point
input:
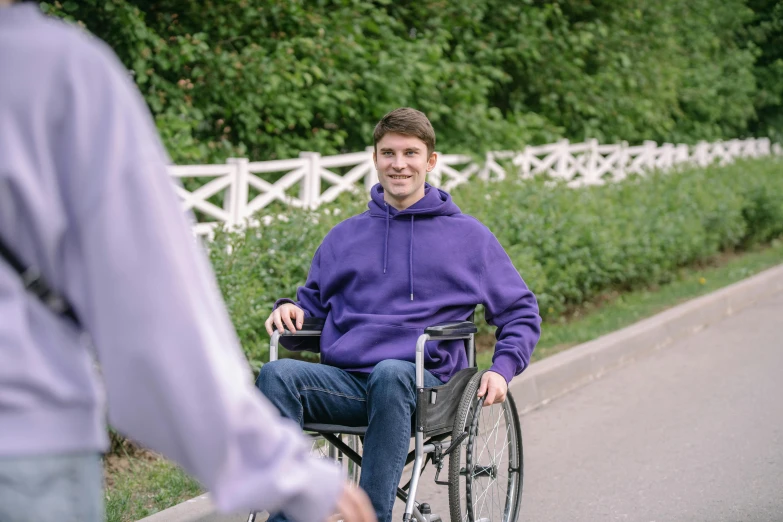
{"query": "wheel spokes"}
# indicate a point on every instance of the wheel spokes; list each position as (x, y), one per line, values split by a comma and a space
(491, 472)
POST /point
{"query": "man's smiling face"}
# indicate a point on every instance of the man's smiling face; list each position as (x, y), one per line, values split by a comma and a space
(402, 163)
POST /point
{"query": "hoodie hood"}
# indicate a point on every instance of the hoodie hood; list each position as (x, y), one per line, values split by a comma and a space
(434, 203)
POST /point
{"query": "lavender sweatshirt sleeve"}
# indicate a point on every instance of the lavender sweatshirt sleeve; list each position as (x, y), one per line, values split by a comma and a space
(175, 376)
(510, 306)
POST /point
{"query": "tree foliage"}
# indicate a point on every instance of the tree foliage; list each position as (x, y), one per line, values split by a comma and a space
(766, 32)
(270, 78)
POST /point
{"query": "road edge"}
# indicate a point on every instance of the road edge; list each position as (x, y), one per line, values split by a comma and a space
(566, 371)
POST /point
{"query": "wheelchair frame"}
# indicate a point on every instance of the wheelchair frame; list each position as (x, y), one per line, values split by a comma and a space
(434, 446)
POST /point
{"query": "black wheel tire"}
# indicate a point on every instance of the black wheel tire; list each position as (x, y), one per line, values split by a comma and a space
(465, 488)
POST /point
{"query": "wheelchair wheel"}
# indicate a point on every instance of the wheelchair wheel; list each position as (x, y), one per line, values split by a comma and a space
(486, 471)
(323, 449)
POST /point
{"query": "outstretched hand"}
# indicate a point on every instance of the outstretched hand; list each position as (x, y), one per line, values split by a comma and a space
(284, 314)
(493, 388)
(354, 506)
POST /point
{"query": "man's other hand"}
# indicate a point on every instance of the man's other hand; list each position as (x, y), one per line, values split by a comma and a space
(285, 314)
(354, 506)
(493, 388)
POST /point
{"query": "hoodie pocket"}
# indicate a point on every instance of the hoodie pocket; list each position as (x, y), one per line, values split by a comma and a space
(362, 347)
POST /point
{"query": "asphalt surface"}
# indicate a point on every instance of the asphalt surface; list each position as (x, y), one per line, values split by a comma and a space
(693, 432)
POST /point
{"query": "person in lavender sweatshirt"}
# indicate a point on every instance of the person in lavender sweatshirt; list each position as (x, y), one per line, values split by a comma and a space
(378, 280)
(86, 198)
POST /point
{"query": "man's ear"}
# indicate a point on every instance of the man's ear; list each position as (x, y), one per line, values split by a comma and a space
(433, 159)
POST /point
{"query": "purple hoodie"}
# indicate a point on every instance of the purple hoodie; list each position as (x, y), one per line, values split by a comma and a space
(380, 278)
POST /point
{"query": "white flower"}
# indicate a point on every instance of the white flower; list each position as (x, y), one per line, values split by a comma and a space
(337, 211)
(283, 218)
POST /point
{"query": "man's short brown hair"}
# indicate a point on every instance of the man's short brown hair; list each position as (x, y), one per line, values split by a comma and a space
(409, 122)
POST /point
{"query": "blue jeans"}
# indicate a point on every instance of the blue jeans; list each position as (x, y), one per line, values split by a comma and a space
(66, 488)
(384, 401)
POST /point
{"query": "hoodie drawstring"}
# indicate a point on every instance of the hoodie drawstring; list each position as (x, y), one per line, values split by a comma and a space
(386, 250)
(386, 244)
(411, 258)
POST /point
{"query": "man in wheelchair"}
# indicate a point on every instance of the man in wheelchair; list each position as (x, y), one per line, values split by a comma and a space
(378, 280)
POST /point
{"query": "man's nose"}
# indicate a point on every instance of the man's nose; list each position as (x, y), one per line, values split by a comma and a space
(398, 163)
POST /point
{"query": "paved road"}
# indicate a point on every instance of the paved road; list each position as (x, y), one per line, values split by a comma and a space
(692, 433)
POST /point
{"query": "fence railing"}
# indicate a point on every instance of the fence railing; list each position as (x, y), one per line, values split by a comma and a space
(233, 192)
(590, 163)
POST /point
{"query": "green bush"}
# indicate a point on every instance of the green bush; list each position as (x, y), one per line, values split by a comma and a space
(270, 79)
(257, 266)
(570, 245)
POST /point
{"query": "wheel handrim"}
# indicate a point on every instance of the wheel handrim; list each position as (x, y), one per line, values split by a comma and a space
(491, 465)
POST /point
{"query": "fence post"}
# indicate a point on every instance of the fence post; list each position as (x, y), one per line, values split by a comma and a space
(236, 202)
(734, 149)
(750, 148)
(371, 178)
(681, 154)
(701, 153)
(650, 149)
(525, 161)
(561, 167)
(763, 147)
(592, 162)
(310, 191)
(483, 174)
(667, 156)
(622, 162)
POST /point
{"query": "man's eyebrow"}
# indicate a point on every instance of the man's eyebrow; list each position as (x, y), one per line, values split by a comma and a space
(384, 149)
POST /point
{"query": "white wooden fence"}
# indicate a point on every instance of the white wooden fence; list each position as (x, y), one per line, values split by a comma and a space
(246, 187)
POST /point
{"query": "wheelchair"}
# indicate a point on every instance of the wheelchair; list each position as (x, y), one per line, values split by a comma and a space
(483, 444)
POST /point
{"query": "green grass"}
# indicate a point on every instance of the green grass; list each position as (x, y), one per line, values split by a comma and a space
(142, 486)
(618, 311)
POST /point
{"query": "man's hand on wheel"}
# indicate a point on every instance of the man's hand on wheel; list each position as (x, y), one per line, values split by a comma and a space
(354, 506)
(284, 315)
(493, 388)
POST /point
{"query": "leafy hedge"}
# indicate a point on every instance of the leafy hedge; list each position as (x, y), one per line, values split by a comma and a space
(570, 245)
(267, 79)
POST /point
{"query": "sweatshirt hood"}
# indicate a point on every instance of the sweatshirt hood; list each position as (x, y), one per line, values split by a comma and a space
(434, 203)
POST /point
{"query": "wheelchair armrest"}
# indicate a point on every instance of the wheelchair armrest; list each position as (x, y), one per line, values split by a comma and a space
(311, 327)
(444, 332)
(451, 329)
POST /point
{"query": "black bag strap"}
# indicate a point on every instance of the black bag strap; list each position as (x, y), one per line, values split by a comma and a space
(35, 283)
